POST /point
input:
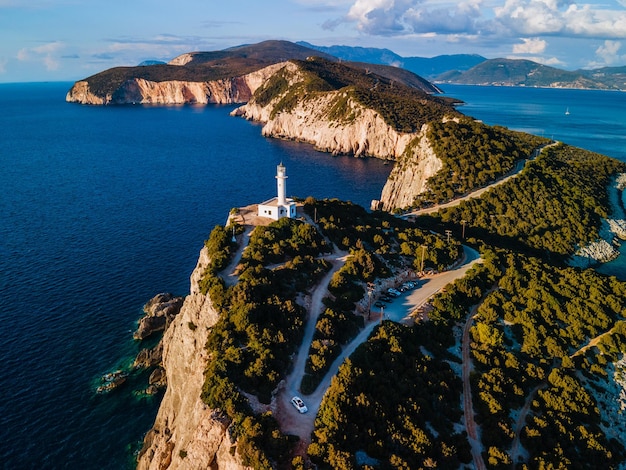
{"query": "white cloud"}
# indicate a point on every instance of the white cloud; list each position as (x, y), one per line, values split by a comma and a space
(551, 61)
(46, 53)
(511, 18)
(3, 65)
(530, 46)
(608, 53)
(379, 17)
(560, 17)
(404, 17)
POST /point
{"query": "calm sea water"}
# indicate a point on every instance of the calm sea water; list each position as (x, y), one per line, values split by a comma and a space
(101, 208)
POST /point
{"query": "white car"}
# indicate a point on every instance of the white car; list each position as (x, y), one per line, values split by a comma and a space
(299, 404)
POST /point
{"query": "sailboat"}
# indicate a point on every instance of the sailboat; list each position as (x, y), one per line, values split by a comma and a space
(567, 112)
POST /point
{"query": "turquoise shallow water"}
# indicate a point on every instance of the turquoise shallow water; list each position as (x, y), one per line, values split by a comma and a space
(101, 208)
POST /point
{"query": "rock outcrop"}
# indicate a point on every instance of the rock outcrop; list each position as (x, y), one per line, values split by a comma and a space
(409, 176)
(187, 434)
(614, 229)
(142, 91)
(159, 313)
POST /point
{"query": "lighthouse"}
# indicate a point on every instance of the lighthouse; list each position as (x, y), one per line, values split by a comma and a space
(279, 206)
(281, 176)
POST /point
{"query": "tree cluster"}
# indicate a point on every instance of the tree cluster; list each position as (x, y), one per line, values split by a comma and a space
(394, 403)
(259, 327)
(338, 324)
(473, 155)
(528, 343)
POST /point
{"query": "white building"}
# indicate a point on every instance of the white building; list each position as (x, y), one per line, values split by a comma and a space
(280, 206)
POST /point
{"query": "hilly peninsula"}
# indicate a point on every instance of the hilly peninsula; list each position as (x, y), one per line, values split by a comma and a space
(458, 323)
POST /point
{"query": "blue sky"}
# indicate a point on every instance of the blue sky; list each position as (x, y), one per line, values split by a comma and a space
(51, 40)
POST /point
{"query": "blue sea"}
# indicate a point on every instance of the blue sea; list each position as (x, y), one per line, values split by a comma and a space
(103, 207)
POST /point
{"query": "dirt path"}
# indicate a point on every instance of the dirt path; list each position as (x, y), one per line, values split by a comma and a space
(521, 420)
(232, 277)
(479, 192)
(468, 406)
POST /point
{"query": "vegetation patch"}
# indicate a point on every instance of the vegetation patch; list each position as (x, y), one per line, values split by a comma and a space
(394, 402)
(552, 207)
(259, 327)
(473, 155)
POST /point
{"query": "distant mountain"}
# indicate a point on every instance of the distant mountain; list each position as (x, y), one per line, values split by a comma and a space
(370, 55)
(512, 72)
(615, 76)
(473, 69)
(422, 66)
(434, 66)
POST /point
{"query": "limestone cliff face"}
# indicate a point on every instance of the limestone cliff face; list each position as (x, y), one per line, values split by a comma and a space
(363, 133)
(409, 176)
(141, 91)
(187, 434)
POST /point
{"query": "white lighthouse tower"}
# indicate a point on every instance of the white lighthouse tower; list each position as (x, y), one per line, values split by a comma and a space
(281, 176)
(279, 206)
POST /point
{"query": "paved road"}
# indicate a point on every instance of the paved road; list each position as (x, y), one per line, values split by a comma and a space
(302, 424)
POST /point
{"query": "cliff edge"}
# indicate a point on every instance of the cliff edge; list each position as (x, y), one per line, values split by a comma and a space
(187, 434)
(167, 92)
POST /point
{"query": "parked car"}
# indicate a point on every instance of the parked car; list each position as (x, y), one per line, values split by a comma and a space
(299, 404)
(393, 292)
(379, 304)
(385, 298)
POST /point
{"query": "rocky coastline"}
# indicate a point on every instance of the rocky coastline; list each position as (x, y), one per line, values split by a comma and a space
(172, 92)
(186, 432)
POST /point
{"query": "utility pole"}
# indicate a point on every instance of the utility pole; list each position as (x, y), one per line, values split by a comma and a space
(423, 254)
(463, 222)
(370, 291)
(448, 233)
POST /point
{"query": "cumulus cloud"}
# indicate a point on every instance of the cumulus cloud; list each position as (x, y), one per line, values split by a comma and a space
(560, 17)
(609, 53)
(551, 61)
(510, 18)
(530, 46)
(379, 17)
(402, 17)
(45, 53)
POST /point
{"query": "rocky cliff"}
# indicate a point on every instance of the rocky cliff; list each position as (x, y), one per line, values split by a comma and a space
(409, 176)
(142, 91)
(354, 130)
(187, 434)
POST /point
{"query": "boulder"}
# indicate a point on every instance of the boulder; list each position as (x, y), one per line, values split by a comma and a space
(158, 378)
(149, 357)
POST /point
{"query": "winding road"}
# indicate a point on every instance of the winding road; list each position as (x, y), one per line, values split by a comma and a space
(302, 425)
(479, 192)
